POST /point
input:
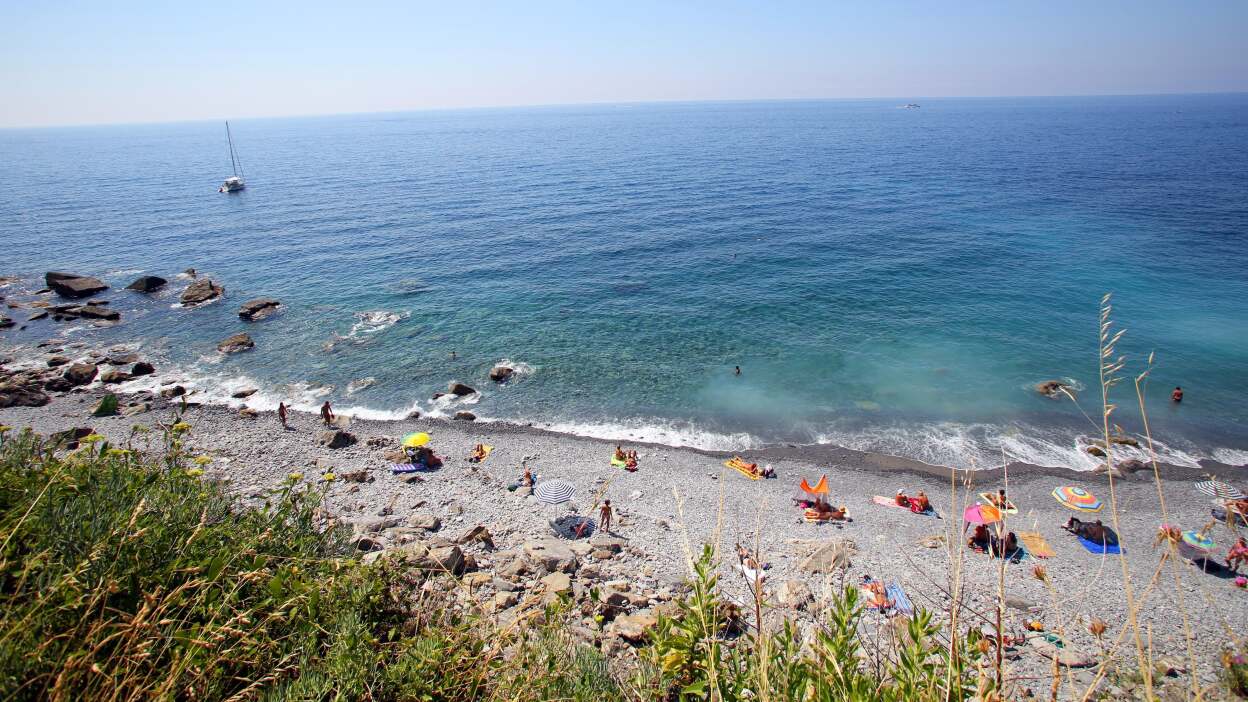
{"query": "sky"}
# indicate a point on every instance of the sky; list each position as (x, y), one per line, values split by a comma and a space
(64, 62)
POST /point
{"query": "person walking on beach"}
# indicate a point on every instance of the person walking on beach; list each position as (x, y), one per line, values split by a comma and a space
(1177, 395)
(327, 413)
(604, 517)
(281, 413)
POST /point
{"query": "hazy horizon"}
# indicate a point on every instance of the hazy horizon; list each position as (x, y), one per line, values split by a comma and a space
(80, 64)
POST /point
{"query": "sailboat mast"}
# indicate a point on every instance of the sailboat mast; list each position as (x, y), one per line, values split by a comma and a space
(230, 138)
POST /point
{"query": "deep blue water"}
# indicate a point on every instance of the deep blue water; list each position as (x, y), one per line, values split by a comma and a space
(886, 278)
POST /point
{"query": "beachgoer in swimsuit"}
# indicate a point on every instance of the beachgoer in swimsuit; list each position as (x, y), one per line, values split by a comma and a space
(1177, 395)
(901, 499)
(1238, 555)
(979, 538)
(604, 517)
(919, 503)
(738, 370)
(327, 413)
(281, 413)
(527, 479)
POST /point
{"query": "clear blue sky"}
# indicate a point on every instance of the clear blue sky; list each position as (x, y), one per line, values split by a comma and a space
(95, 62)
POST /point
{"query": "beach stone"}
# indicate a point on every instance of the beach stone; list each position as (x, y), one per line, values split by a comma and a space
(112, 377)
(121, 359)
(235, 343)
(147, 284)
(172, 391)
(1069, 656)
(505, 600)
(248, 413)
(794, 594)
(632, 627)
(201, 291)
(501, 373)
(552, 555)
(477, 534)
(448, 558)
(7, 323)
(459, 389)
(58, 384)
(556, 583)
(257, 309)
(465, 416)
(1096, 451)
(243, 394)
(94, 312)
(142, 368)
(367, 542)
(139, 408)
(336, 439)
(72, 285)
(1132, 465)
(42, 314)
(828, 557)
(57, 361)
(412, 551)
(614, 544)
(428, 522)
(375, 525)
(19, 395)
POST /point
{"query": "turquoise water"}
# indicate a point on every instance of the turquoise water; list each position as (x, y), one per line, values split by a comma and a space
(887, 279)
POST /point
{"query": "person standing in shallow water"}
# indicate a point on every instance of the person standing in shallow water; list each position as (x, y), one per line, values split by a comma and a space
(1177, 395)
(281, 413)
(327, 413)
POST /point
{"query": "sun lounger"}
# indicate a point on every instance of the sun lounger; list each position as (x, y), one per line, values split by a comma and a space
(1035, 544)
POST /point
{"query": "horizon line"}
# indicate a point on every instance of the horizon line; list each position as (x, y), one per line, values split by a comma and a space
(601, 103)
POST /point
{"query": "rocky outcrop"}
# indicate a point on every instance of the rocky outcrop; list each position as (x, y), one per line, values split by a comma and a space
(259, 308)
(113, 377)
(552, 555)
(57, 361)
(465, 415)
(15, 394)
(336, 439)
(91, 312)
(236, 343)
(80, 373)
(74, 286)
(147, 284)
(459, 389)
(142, 368)
(501, 373)
(201, 291)
(244, 393)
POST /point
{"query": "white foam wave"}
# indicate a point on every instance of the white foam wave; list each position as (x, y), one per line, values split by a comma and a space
(667, 433)
(1230, 456)
(359, 384)
(374, 322)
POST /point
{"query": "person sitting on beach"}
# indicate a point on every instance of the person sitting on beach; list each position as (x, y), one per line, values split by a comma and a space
(901, 499)
(630, 463)
(1238, 555)
(767, 472)
(998, 500)
(1004, 548)
(527, 479)
(877, 594)
(619, 454)
(920, 504)
(1091, 531)
(745, 558)
(478, 453)
(839, 514)
(979, 538)
(1239, 506)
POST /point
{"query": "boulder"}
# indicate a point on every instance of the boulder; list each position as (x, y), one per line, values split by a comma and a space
(236, 343)
(244, 393)
(465, 416)
(336, 439)
(505, 600)
(632, 627)
(142, 368)
(172, 391)
(829, 556)
(147, 284)
(459, 389)
(112, 377)
(477, 534)
(501, 373)
(1050, 388)
(58, 384)
(1124, 441)
(134, 409)
(57, 361)
(447, 558)
(106, 407)
(74, 286)
(551, 554)
(428, 522)
(1096, 451)
(6, 323)
(257, 309)
(80, 373)
(604, 542)
(94, 312)
(248, 413)
(41, 314)
(201, 291)
(1132, 465)
(794, 594)
(20, 395)
(69, 438)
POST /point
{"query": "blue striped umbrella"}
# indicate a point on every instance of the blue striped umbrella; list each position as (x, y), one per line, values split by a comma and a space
(1217, 488)
(554, 492)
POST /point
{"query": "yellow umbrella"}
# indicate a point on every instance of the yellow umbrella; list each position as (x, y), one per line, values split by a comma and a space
(413, 440)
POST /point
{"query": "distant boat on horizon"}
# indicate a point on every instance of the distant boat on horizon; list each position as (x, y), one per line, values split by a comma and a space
(912, 106)
(235, 182)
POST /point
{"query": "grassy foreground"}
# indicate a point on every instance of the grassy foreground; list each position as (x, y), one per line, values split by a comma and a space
(124, 575)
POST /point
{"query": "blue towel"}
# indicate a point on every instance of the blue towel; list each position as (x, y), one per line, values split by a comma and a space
(900, 601)
(406, 468)
(1099, 549)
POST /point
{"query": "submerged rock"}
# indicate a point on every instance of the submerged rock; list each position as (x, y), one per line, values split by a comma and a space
(459, 389)
(501, 373)
(72, 285)
(147, 284)
(1050, 388)
(236, 343)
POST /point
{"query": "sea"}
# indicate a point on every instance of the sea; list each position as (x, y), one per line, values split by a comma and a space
(886, 278)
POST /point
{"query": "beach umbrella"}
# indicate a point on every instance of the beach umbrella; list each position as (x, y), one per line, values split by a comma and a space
(416, 439)
(981, 514)
(1077, 498)
(1217, 488)
(554, 492)
(1197, 539)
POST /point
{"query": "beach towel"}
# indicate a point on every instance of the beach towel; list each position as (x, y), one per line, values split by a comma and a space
(1035, 544)
(398, 468)
(739, 465)
(890, 502)
(487, 450)
(617, 462)
(1099, 549)
(898, 598)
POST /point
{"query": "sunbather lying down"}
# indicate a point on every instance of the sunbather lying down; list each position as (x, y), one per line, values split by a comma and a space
(823, 511)
(875, 592)
(1095, 532)
(917, 504)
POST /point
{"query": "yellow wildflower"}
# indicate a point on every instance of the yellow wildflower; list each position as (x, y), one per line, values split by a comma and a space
(203, 460)
(194, 472)
(295, 477)
(181, 427)
(91, 439)
(329, 477)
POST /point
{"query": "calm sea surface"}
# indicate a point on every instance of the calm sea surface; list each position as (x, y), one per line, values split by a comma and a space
(888, 279)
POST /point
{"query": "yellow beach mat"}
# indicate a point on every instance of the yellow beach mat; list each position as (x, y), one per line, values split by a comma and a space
(1036, 545)
(1009, 507)
(487, 450)
(618, 462)
(738, 464)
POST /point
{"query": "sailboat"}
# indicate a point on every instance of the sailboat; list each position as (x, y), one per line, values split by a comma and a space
(235, 182)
